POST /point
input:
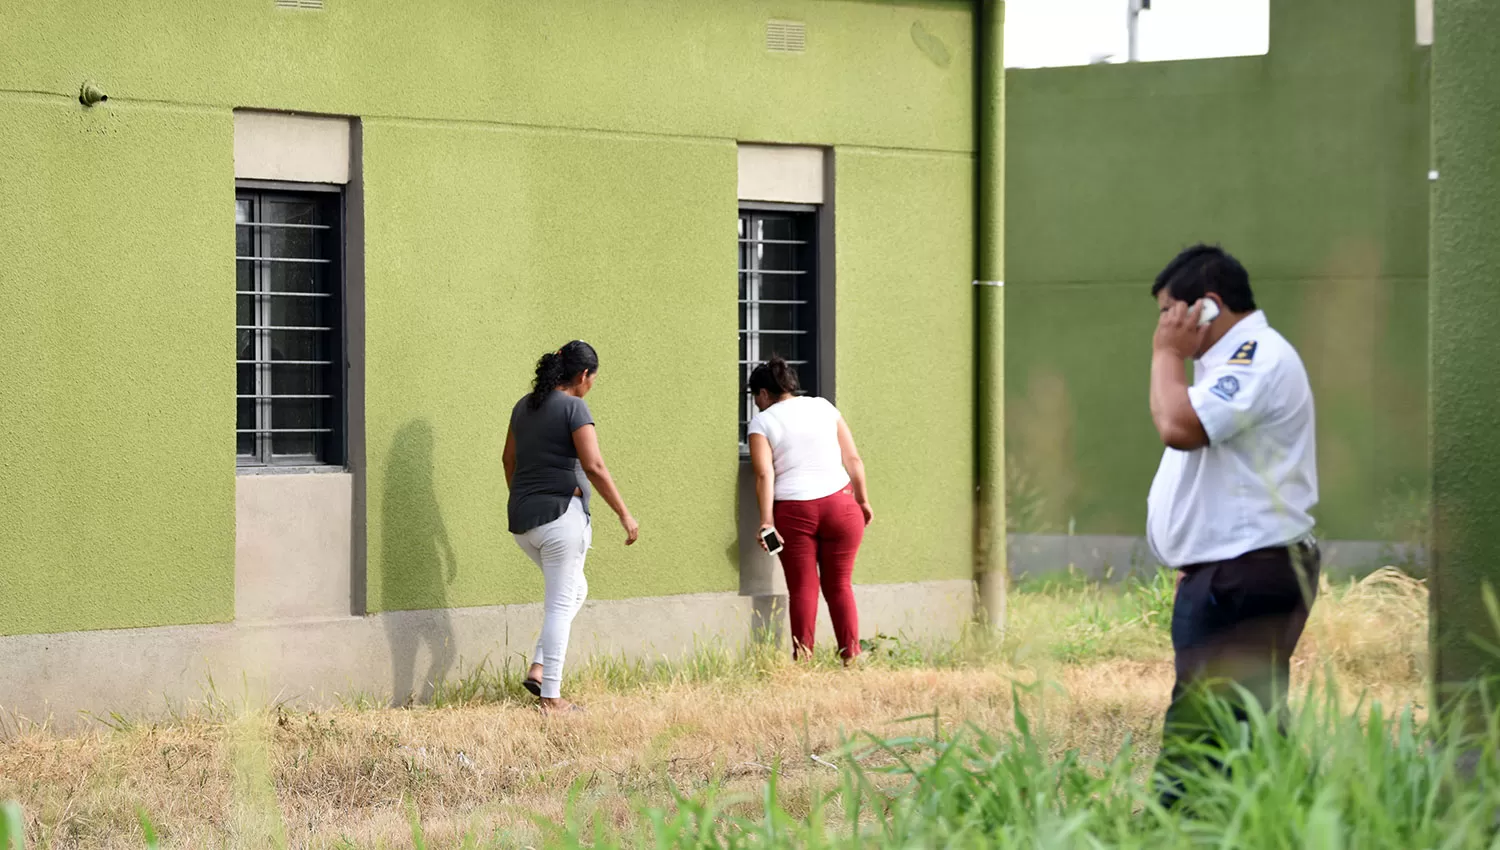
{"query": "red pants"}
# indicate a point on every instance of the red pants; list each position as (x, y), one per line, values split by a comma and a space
(820, 539)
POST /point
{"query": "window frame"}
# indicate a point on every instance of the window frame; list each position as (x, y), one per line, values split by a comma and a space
(812, 369)
(336, 458)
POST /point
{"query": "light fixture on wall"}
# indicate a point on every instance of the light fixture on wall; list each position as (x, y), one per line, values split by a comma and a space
(89, 94)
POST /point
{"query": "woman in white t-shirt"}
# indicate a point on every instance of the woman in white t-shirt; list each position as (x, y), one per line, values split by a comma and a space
(810, 483)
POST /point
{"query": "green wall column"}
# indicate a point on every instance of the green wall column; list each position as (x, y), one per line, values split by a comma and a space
(1464, 333)
(989, 294)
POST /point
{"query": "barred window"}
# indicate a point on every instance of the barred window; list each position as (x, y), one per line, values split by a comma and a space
(289, 337)
(778, 294)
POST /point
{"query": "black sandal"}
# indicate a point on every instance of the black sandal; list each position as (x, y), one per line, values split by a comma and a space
(532, 686)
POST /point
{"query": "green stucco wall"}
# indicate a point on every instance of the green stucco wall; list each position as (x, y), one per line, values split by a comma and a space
(905, 355)
(661, 67)
(1309, 164)
(116, 372)
(1465, 309)
(533, 172)
(561, 236)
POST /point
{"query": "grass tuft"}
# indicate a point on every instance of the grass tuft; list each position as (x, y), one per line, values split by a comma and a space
(1042, 738)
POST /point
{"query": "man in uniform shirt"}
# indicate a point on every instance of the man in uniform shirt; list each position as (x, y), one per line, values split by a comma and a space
(1229, 508)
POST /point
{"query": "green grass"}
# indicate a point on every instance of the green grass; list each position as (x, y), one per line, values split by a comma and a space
(1366, 778)
(488, 681)
(12, 827)
(1360, 776)
(1066, 619)
(1069, 618)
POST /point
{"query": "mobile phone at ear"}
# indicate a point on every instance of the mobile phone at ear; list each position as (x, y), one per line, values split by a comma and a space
(1209, 313)
(772, 540)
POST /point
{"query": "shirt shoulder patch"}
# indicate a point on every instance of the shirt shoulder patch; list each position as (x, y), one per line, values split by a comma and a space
(1226, 388)
(1244, 355)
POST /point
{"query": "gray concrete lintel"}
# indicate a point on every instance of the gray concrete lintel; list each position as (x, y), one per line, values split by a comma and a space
(1103, 556)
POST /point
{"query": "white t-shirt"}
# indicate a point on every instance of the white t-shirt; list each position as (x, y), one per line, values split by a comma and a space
(1256, 482)
(804, 437)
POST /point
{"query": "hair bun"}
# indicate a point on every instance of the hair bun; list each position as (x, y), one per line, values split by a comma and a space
(558, 367)
(776, 376)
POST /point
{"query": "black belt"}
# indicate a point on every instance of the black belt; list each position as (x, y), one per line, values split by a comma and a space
(1307, 545)
(1303, 545)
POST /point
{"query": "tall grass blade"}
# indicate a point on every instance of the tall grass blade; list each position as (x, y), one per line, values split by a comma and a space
(12, 827)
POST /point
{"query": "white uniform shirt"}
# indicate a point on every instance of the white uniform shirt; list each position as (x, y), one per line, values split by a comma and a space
(1253, 486)
(804, 437)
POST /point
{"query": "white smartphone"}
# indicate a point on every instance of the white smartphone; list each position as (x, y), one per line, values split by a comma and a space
(772, 540)
(1210, 312)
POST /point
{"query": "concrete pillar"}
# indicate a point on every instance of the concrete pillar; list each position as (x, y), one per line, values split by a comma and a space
(1464, 338)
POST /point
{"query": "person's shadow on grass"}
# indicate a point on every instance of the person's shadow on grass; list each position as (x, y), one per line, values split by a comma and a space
(415, 555)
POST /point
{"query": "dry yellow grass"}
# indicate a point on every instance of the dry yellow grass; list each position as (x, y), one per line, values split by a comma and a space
(345, 778)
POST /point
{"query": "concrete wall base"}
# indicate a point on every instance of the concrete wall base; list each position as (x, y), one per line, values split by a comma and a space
(1103, 556)
(77, 676)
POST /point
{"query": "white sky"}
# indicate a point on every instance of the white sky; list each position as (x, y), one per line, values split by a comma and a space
(1047, 33)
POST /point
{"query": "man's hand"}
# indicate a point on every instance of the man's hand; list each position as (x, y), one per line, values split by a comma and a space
(1177, 331)
(1178, 338)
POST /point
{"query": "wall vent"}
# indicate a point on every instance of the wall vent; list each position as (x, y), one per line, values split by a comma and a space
(786, 36)
(306, 5)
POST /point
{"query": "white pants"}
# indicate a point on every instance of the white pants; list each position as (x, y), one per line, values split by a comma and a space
(559, 548)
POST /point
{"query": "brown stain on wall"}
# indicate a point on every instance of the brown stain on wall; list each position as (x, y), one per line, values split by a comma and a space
(1042, 461)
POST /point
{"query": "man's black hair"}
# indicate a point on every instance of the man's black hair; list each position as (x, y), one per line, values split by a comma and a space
(1202, 269)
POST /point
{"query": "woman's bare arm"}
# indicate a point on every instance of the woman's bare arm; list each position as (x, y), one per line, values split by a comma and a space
(855, 466)
(765, 479)
(586, 444)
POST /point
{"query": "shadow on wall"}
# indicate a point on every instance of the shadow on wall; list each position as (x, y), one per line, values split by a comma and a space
(760, 574)
(417, 564)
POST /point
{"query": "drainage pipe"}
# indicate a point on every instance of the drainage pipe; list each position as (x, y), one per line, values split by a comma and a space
(990, 571)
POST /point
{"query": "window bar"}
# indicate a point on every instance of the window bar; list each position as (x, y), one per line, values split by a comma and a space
(261, 356)
(262, 341)
(754, 271)
(276, 225)
(269, 328)
(313, 260)
(742, 252)
(752, 347)
(279, 294)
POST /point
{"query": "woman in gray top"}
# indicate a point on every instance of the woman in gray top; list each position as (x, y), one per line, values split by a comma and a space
(551, 459)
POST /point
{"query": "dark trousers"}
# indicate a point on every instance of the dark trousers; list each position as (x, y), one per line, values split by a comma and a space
(1234, 623)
